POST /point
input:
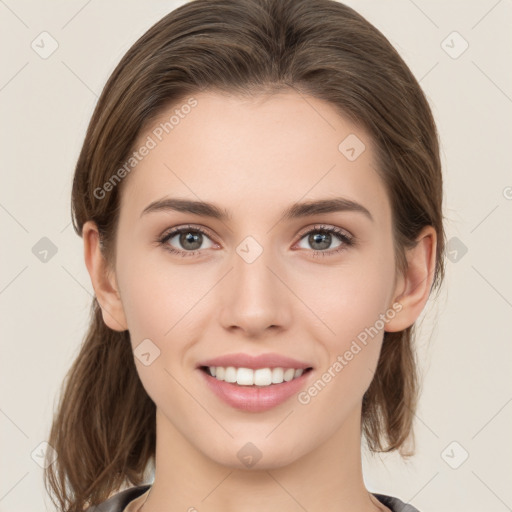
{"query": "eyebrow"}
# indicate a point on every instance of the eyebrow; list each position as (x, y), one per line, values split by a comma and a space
(296, 210)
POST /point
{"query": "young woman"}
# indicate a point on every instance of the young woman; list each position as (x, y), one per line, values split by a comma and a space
(260, 199)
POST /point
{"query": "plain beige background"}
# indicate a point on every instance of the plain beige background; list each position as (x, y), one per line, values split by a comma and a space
(463, 424)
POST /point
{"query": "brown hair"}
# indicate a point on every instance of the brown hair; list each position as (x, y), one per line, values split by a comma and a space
(246, 47)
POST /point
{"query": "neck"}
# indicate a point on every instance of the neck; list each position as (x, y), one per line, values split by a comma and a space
(327, 479)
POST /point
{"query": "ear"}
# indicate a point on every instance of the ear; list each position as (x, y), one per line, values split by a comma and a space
(413, 287)
(103, 279)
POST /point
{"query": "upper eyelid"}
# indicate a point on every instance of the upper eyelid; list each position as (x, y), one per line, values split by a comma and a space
(176, 230)
(325, 227)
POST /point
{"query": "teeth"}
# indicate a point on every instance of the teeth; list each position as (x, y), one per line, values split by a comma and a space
(250, 377)
(230, 375)
(277, 375)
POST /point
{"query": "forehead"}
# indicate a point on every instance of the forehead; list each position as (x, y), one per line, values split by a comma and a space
(254, 154)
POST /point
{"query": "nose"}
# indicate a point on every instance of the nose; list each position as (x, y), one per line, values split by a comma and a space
(254, 296)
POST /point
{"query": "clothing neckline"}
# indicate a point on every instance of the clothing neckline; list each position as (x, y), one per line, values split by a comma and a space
(120, 501)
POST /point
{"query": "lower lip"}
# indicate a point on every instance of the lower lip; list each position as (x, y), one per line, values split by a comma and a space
(255, 398)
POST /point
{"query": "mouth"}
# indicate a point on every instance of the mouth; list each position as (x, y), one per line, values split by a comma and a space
(257, 378)
(255, 383)
(255, 390)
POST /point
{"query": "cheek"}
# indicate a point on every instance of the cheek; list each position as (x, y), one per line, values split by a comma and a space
(163, 304)
(157, 297)
(144, 308)
(350, 352)
(351, 303)
(349, 298)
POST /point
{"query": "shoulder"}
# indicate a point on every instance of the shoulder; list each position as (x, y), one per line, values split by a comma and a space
(395, 504)
(119, 501)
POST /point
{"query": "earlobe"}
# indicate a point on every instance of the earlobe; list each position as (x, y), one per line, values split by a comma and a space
(103, 280)
(413, 288)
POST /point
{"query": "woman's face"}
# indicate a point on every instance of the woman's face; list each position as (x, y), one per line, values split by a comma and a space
(256, 281)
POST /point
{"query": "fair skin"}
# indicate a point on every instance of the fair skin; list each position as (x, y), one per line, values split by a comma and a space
(255, 158)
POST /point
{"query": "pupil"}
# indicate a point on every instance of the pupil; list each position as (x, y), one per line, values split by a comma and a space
(187, 238)
(319, 238)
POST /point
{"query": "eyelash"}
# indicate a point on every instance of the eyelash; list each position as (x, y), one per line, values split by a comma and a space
(347, 241)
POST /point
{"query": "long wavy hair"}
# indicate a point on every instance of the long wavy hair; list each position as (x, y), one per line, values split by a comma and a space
(243, 47)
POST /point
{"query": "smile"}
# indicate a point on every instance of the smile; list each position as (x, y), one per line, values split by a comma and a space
(254, 377)
(250, 396)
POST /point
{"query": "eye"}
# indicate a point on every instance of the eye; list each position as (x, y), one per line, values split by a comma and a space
(191, 238)
(188, 237)
(321, 238)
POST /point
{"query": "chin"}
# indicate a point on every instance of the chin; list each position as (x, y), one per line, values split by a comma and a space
(258, 454)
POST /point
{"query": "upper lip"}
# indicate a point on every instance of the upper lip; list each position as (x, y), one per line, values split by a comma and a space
(240, 360)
